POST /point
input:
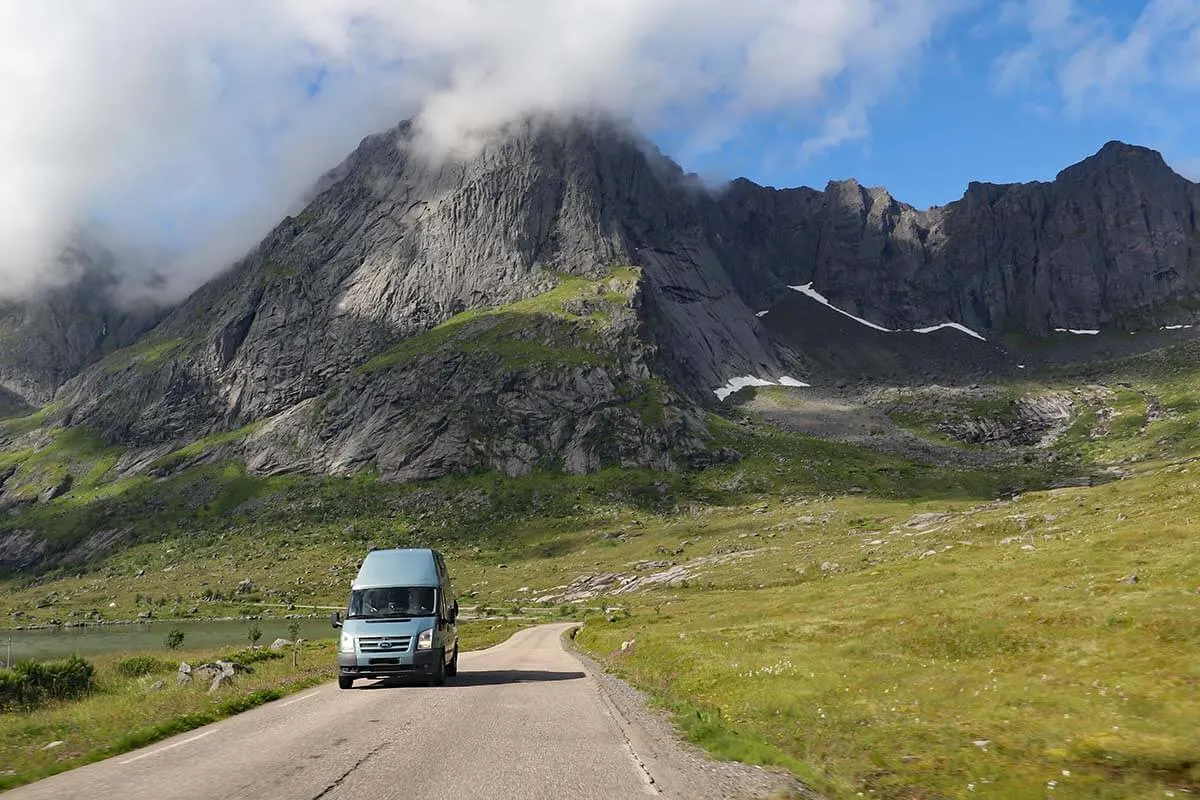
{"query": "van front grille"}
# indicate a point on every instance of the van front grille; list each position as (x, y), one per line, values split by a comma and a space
(384, 644)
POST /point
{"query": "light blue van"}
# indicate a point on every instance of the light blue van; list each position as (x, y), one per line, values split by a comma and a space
(401, 619)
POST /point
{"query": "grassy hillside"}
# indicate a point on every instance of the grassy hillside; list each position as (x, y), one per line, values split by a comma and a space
(879, 626)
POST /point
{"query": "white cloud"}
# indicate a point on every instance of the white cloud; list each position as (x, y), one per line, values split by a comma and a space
(190, 122)
(1091, 61)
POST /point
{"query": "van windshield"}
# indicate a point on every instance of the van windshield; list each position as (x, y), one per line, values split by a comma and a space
(392, 601)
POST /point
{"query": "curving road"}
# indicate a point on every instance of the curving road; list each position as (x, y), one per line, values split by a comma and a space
(524, 719)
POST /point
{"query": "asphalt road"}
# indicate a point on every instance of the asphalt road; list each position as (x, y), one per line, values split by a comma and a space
(524, 719)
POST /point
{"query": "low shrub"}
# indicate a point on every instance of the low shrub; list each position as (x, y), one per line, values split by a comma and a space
(32, 683)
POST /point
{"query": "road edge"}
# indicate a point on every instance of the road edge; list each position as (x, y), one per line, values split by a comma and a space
(672, 766)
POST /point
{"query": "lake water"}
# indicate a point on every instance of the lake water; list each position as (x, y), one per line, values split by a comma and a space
(45, 644)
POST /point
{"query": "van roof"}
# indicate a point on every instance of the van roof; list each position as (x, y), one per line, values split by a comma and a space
(397, 567)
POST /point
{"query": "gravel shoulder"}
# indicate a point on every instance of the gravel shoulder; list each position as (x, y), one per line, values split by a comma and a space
(676, 768)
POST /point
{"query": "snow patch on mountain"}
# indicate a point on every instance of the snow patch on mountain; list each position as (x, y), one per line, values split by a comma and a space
(954, 325)
(808, 290)
(736, 384)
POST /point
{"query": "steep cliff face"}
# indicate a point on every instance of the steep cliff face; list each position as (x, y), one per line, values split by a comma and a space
(1113, 238)
(392, 248)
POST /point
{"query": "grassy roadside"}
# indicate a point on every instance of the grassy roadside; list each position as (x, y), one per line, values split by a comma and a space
(1002, 652)
(126, 713)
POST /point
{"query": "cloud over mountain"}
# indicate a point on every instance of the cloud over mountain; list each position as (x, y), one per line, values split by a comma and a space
(179, 132)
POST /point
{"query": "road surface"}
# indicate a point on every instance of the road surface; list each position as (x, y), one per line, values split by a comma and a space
(524, 719)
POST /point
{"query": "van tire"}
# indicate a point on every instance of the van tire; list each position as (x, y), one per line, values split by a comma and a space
(452, 668)
(438, 678)
(345, 683)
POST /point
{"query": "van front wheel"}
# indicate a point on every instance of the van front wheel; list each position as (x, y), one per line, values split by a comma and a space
(438, 678)
(345, 683)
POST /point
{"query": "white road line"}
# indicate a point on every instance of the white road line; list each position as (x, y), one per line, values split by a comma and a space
(168, 747)
(298, 699)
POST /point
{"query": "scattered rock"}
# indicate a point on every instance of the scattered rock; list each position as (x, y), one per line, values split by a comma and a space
(1028, 548)
(185, 673)
(53, 745)
(157, 686)
(145, 615)
(923, 521)
(246, 586)
(1130, 579)
(219, 680)
(280, 644)
(140, 573)
(222, 673)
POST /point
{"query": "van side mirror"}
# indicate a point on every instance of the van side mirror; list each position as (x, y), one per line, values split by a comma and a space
(335, 619)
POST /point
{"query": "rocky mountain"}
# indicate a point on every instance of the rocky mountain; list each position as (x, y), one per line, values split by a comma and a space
(47, 338)
(1111, 238)
(570, 299)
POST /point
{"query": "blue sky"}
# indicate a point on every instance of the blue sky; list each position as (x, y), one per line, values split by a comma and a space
(953, 119)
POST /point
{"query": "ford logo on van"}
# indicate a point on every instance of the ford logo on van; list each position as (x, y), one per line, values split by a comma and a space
(385, 645)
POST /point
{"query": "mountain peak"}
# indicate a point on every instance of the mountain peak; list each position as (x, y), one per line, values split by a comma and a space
(1117, 154)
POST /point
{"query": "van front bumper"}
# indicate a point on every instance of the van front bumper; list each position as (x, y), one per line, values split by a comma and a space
(424, 662)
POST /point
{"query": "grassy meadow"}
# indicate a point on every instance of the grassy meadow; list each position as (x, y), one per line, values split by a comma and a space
(880, 627)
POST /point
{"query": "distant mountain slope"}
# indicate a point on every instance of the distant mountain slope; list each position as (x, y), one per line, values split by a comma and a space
(48, 338)
(284, 359)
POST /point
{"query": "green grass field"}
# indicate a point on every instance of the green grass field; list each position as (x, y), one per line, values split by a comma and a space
(882, 628)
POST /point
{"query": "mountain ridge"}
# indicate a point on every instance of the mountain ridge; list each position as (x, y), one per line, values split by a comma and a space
(392, 246)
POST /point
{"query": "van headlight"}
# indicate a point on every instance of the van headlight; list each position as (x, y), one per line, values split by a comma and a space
(346, 643)
(425, 640)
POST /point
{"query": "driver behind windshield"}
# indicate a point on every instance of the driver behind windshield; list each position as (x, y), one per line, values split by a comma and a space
(393, 601)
